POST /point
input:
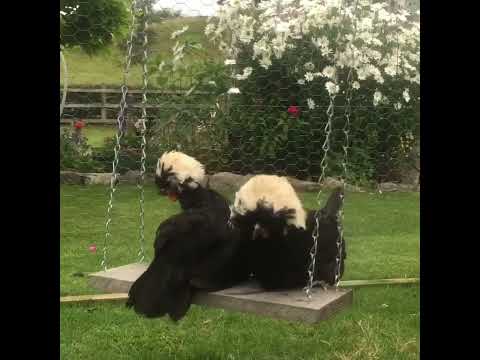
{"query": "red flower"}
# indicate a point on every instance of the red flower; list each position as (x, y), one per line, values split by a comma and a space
(294, 110)
(79, 124)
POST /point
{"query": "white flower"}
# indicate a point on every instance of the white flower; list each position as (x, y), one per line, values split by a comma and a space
(321, 42)
(278, 46)
(265, 62)
(246, 73)
(246, 36)
(140, 124)
(326, 51)
(272, 27)
(334, 3)
(362, 73)
(230, 62)
(282, 27)
(301, 82)
(406, 95)
(416, 79)
(177, 49)
(309, 76)
(179, 32)
(233, 90)
(329, 71)
(377, 98)
(391, 70)
(211, 82)
(311, 104)
(356, 85)
(397, 106)
(223, 46)
(63, 13)
(332, 88)
(309, 66)
(210, 28)
(177, 58)
(377, 75)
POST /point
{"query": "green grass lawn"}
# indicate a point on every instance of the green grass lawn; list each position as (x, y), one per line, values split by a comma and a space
(382, 233)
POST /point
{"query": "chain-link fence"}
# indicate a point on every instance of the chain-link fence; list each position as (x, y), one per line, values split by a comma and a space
(231, 112)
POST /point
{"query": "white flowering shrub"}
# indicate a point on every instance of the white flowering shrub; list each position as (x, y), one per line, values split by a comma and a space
(284, 61)
(372, 40)
(306, 53)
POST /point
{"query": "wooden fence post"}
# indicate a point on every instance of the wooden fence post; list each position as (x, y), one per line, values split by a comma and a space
(103, 110)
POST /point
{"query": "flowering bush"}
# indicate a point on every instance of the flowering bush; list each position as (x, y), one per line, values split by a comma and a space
(305, 54)
(285, 62)
(369, 41)
(75, 153)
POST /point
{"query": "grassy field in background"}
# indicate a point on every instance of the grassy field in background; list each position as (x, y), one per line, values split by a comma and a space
(106, 68)
(382, 234)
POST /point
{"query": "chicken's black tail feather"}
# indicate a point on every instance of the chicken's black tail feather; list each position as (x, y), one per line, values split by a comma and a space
(161, 290)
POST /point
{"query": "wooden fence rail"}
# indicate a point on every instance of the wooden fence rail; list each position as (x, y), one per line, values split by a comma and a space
(103, 105)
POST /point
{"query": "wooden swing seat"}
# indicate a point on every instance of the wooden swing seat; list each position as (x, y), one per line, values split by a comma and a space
(292, 305)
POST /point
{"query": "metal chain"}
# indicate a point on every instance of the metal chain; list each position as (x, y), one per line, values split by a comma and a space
(326, 148)
(119, 135)
(143, 128)
(323, 165)
(340, 215)
(346, 131)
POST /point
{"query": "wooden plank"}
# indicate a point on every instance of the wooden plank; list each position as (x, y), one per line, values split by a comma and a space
(103, 110)
(136, 105)
(124, 296)
(90, 121)
(110, 106)
(134, 91)
(355, 283)
(290, 305)
(117, 280)
(92, 298)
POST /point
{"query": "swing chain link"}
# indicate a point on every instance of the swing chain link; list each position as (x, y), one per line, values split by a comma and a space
(143, 128)
(340, 215)
(118, 136)
(323, 165)
(346, 131)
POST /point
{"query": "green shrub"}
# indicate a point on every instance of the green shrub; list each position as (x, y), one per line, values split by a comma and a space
(94, 25)
(76, 154)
